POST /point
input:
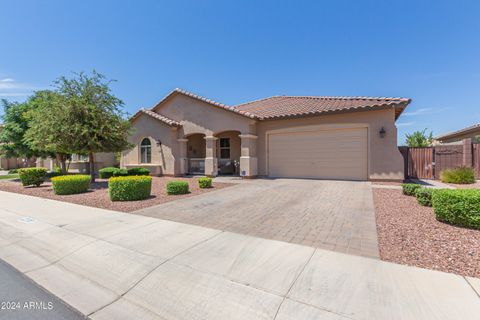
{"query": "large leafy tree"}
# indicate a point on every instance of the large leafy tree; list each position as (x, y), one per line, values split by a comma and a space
(419, 139)
(15, 125)
(83, 116)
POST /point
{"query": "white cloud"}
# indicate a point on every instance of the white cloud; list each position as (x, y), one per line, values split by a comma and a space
(14, 94)
(11, 88)
(418, 112)
(7, 80)
(405, 124)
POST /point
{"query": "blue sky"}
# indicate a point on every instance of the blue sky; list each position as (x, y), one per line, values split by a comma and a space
(235, 51)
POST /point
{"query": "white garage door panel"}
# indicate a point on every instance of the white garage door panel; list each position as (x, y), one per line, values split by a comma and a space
(326, 154)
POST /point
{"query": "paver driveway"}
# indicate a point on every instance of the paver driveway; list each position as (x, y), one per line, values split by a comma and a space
(334, 215)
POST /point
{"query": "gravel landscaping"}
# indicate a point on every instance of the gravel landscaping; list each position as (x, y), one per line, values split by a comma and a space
(98, 194)
(475, 185)
(409, 234)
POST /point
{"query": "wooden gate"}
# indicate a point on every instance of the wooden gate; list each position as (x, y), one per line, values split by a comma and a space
(447, 157)
(420, 163)
(476, 159)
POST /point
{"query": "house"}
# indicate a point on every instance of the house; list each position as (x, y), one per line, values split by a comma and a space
(352, 138)
(7, 163)
(470, 132)
(79, 163)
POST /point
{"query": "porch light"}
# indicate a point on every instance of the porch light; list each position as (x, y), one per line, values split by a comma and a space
(159, 142)
(382, 132)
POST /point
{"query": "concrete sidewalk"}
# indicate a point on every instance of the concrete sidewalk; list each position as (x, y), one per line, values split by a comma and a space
(111, 265)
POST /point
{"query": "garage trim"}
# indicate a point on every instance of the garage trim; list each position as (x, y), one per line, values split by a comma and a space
(316, 128)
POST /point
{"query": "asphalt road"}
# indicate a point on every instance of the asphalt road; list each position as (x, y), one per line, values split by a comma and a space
(21, 298)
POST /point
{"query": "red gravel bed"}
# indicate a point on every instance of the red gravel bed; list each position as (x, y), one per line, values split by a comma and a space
(475, 185)
(408, 233)
(98, 195)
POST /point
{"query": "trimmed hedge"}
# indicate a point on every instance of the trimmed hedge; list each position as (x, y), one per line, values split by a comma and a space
(177, 187)
(138, 172)
(71, 184)
(205, 182)
(424, 196)
(13, 171)
(460, 207)
(461, 175)
(120, 173)
(409, 189)
(32, 176)
(129, 188)
(106, 172)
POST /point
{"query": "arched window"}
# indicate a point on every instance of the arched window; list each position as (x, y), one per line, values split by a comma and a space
(145, 151)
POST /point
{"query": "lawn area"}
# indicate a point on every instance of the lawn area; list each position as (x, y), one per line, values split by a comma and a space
(98, 196)
(9, 176)
(408, 233)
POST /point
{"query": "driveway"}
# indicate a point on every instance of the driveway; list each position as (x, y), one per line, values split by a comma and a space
(112, 265)
(333, 215)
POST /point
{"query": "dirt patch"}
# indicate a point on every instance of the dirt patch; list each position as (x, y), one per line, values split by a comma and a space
(475, 185)
(98, 193)
(408, 233)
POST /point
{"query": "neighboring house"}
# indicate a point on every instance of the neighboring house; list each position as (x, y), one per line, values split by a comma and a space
(352, 138)
(79, 163)
(471, 132)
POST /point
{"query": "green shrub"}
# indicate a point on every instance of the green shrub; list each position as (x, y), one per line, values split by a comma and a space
(120, 172)
(71, 184)
(32, 176)
(54, 173)
(205, 182)
(138, 172)
(107, 172)
(177, 187)
(461, 175)
(410, 188)
(129, 188)
(458, 207)
(424, 196)
(13, 171)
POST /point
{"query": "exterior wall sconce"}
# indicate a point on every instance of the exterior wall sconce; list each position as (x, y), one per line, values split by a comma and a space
(382, 132)
(159, 142)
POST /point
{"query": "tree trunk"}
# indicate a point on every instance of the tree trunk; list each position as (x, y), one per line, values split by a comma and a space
(61, 158)
(91, 164)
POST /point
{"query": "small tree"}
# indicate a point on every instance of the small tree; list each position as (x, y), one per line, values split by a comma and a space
(83, 117)
(419, 139)
(15, 125)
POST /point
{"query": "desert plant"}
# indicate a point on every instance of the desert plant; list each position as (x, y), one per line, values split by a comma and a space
(205, 182)
(129, 188)
(424, 196)
(138, 172)
(177, 187)
(32, 176)
(106, 172)
(460, 207)
(461, 175)
(71, 184)
(410, 188)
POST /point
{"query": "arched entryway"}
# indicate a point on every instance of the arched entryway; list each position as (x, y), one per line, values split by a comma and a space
(228, 152)
(196, 149)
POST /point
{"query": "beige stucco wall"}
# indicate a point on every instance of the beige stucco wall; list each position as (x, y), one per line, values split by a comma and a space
(196, 146)
(148, 127)
(385, 161)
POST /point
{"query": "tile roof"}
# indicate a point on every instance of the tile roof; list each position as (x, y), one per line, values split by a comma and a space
(295, 106)
(156, 116)
(471, 129)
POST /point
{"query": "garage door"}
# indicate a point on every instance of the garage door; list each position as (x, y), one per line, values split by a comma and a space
(322, 154)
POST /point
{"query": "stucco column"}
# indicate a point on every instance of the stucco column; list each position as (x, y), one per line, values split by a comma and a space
(211, 161)
(248, 158)
(182, 158)
(467, 152)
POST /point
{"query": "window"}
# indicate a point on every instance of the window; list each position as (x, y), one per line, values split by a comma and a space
(79, 158)
(146, 151)
(224, 148)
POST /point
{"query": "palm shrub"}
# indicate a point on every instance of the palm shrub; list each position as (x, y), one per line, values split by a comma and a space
(177, 187)
(460, 207)
(129, 188)
(71, 184)
(32, 176)
(461, 175)
(205, 182)
(424, 196)
(410, 188)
